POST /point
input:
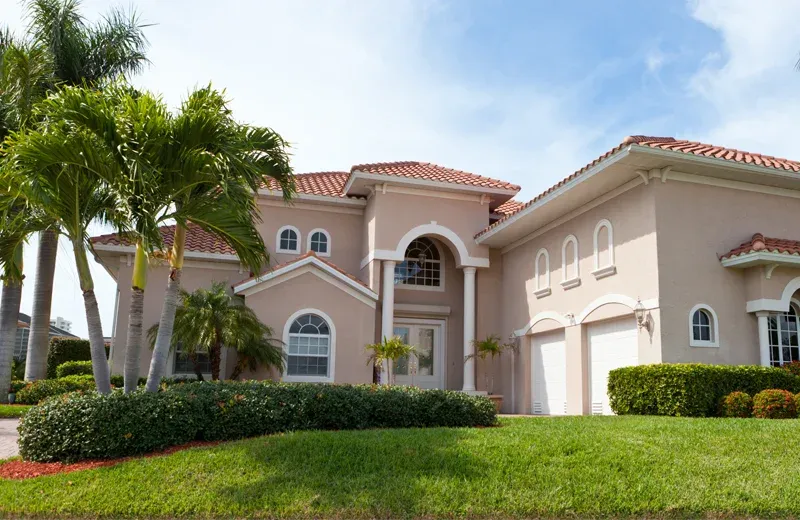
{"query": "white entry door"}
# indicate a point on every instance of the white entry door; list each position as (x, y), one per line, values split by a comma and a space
(549, 372)
(612, 344)
(425, 368)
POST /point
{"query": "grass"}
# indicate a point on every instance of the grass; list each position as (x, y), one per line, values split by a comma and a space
(10, 411)
(550, 467)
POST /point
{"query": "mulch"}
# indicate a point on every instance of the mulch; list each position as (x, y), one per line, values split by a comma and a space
(21, 470)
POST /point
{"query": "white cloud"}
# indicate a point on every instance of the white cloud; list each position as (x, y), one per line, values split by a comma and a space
(751, 91)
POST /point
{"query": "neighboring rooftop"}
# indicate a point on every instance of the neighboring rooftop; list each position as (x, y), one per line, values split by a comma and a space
(24, 321)
(760, 243)
(197, 240)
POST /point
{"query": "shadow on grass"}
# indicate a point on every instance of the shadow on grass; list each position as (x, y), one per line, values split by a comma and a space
(372, 473)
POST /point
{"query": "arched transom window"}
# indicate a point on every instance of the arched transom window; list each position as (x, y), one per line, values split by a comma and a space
(309, 347)
(783, 343)
(422, 266)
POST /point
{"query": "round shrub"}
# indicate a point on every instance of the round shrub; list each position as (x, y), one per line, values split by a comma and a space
(774, 404)
(737, 404)
(80, 426)
(793, 368)
(74, 368)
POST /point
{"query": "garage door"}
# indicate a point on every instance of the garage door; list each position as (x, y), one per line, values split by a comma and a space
(612, 344)
(549, 374)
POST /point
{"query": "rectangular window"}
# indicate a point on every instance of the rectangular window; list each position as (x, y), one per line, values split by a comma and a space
(308, 355)
(783, 338)
(183, 364)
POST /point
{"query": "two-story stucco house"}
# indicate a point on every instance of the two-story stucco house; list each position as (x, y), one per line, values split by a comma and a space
(657, 251)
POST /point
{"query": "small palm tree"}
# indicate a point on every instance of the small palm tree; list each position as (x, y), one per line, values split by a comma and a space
(389, 351)
(207, 320)
(490, 348)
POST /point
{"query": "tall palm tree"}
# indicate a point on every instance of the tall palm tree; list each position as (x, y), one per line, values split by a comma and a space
(240, 157)
(79, 54)
(207, 320)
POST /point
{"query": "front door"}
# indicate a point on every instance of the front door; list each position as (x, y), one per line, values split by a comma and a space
(424, 368)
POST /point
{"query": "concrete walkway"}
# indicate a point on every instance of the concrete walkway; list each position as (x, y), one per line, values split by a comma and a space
(8, 438)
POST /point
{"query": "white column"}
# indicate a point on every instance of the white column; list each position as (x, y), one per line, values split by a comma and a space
(763, 337)
(469, 329)
(387, 314)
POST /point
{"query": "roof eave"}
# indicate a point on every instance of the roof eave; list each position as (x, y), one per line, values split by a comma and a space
(758, 258)
(425, 183)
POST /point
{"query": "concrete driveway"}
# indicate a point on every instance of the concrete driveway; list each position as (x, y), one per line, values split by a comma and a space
(8, 438)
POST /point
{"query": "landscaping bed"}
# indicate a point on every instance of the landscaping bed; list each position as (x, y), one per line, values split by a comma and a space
(540, 467)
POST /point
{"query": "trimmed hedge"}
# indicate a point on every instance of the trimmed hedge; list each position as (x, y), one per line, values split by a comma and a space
(692, 390)
(737, 404)
(774, 404)
(66, 349)
(84, 426)
(74, 368)
(37, 391)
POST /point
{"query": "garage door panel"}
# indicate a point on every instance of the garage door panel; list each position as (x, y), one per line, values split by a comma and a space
(549, 385)
(612, 344)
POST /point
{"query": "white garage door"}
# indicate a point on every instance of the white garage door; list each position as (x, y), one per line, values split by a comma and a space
(549, 374)
(612, 344)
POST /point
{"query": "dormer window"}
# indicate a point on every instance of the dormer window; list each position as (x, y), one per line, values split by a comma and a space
(422, 266)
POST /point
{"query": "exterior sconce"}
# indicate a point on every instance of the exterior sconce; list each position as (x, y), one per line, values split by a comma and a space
(641, 315)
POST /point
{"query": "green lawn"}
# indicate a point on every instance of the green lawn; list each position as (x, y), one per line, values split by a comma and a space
(12, 410)
(589, 466)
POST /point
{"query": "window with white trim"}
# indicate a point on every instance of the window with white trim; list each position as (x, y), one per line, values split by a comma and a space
(422, 265)
(603, 249)
(288, 240)
(542, 273)
(185, 364)
(319, 241)
(783, 342)
(309, 347)
(570, 274)
(703, 327)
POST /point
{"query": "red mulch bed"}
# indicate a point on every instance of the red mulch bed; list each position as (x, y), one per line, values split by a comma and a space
(20, 469)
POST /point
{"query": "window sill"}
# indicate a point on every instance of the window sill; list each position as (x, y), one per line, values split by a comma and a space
(287, 251)
(604, 272)
(703, 344)
(400, 286)
(569, 284)
(324, 255)
(541, 293)
(306, 379)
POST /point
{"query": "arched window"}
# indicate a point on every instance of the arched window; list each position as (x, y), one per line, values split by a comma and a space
(570, 274)
(422, 266)
(288, 240)
(604, 250)
(319, 241)
(542, 273)
(783, 344)
(309, 339)
(703, 327)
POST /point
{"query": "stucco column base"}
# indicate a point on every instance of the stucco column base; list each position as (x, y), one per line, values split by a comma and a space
(387, 312)
(576, 346)
(469, 329)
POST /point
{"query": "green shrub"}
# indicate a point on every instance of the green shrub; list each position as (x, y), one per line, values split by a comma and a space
(76, 426)
(792, 367)
(66, 349)
(737, 404)
(797, 403)
(74, 368)
(37, 391)
(774, 404)
(692, 390)
(17, 385)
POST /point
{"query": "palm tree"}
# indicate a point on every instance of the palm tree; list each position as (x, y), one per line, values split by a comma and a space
(78, 54)
(389, 351)
(207, 320)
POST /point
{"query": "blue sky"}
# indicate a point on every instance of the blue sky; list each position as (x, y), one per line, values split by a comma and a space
(526, 91)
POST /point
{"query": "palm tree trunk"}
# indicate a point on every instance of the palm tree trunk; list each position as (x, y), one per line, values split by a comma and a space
(239, 368)
(97, 345)
(197, 372)
(9, 314)
(161, 349)
(39, 336)
(216, 358)
(133, 345)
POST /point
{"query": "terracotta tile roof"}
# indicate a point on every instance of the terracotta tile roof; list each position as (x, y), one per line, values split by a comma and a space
(197, 240)
(670, 144)
(509, 207)
(433, 172)
(326, 184)
(300, 258)
(769, 245)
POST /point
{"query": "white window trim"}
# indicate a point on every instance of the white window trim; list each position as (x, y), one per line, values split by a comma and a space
(440, 288)
(610, 268)
(278, 241)
(714, 343)
(569, 283)
(331, 348)
(327, 235)
(542, 290)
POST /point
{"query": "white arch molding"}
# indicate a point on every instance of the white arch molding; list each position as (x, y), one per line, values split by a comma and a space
(542, 290)
(570, 280)
(331, 347)
(601, 271)
(781, 305)
(447, 235)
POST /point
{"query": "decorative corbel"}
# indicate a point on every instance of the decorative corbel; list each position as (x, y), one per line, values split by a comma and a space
(768, 269)
(645, 175)
(664, 173)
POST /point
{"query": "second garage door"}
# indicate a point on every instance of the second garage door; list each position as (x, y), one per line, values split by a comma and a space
(612, 344)
(549, 373)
